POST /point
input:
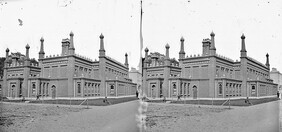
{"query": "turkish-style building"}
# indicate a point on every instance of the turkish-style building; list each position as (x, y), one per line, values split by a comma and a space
(66, 75)
(207, 75)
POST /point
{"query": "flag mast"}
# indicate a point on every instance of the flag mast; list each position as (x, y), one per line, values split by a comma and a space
(141, 46)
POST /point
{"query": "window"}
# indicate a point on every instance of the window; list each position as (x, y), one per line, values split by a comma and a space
(220, 89)
(161, 88)
(47, 88)
(174, 88)
(78, 88)
(20, 92)
(184, 89)
(188, 88)
(226, 89)
(180, 88)
(0, 89)
(112, 89)
(33, 85)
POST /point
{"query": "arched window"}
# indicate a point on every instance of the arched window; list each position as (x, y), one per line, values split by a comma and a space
(174, 88)
(112, 89)
(220, 88)
(78, 88)
(33, 88)
(161, 88)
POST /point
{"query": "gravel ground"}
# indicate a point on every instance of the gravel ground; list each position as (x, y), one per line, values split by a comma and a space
(177, 117)
(18, 116)
(162, 117)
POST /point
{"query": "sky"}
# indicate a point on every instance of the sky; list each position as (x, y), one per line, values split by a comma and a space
(164, 21)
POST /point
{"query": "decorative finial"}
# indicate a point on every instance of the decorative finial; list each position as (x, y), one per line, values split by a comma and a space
(182, 39)
(42, 39)
(101, 36)
(27, 46)
(167, 46)
(7, 50)
(243, 36)
(267, 55)
(126, 54)
(212, 34)
(71, 33)
(146, 49)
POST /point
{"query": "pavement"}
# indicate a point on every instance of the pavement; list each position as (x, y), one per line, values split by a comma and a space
(113, 118)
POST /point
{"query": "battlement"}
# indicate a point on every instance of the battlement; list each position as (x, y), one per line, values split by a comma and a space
(256, 61)
(224, 57)
(114, 60)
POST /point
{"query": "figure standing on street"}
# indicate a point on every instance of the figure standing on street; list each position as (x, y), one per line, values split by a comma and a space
(137, 93)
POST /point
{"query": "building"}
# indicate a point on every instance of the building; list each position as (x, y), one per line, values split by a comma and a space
(136, 77)
(276, 76)
(208, 75)
(66, 75)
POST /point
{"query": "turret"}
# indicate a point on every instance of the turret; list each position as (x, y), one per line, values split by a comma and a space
(7, 55)
(102, 50)
(167, 61)
(243, 47)
(126, 60)
(146, 57)
(267, 61)
(71, 48)
(181, 52)
(41, 52)
(27, 60)
(212, 49)
(27, 52)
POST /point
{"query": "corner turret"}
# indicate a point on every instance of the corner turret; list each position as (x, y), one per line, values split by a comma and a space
(41, 52)
(181, 52)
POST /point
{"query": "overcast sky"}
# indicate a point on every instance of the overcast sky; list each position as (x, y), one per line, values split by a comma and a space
(164, 21)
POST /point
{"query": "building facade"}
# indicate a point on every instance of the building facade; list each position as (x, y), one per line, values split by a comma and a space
(136, 77)
(208, 75)
(66, 75)
(276, 76)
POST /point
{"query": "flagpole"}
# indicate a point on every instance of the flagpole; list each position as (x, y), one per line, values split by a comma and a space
(141, 47)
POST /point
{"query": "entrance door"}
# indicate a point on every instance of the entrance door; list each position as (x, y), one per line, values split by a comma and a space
(153, 91)
(195, 92)
(53, 91)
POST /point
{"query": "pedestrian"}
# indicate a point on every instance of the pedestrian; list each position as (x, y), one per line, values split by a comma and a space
(23, 99)
(37, 97)
(137, 93)
(278, 94)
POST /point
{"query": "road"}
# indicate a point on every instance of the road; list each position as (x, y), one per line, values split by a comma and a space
(113, 118)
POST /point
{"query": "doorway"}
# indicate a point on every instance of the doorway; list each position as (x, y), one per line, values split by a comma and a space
(12, 92)
(154, 91)
(53, 91)
(195, 92)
